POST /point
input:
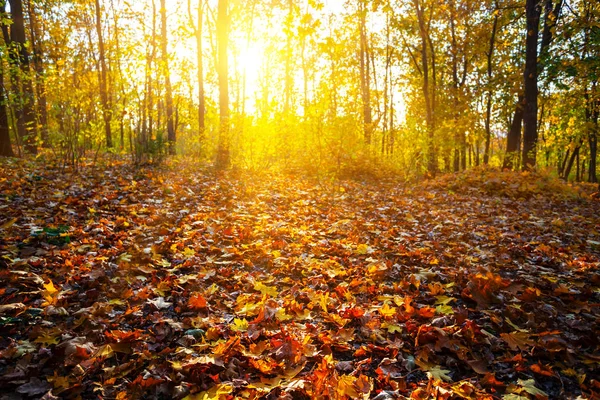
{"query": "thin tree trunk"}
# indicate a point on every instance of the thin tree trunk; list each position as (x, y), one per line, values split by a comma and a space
(223, 157)
(575, 155)
(42, 104)
(592, 112)
(488, 105)
(5, 145)
(513, 139)
(365, 74)
(106, 108)
(200, 60)
(171, 134)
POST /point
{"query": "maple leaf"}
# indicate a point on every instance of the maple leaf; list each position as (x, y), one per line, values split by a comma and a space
(437, 373)
(529, 386)
(387, 311)
(48, 338)
(160, 303)
(197, 301)
(264, 289)
(239, 325)
(517, 340)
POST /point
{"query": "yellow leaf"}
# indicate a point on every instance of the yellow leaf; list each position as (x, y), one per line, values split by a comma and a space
(346, 386)
(323, 301)
(281, 315)
(392, 328)
(47, 339)
(264, 289)
(362, 249)
(216, 393)
(188, 253)
(50, 288)
(239, 325)
(104, 351)
(9, 223)
(387, 311)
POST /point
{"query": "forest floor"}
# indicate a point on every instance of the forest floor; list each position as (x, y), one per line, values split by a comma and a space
(171, 282)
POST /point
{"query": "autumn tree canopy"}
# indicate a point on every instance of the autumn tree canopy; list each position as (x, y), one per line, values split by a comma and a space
(416, 86)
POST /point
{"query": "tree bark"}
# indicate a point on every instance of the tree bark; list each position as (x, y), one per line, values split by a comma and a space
(5, 145)
(106, 108)
(42, 104)
(26, 111)
(488, 105)
(223, 157)
(530, 134)
(432, 162)
(171, 134)
(365, 74)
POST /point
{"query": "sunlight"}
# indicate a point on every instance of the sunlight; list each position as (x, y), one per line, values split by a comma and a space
(249, 63)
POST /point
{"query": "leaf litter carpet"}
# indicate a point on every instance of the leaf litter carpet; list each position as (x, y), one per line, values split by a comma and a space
(117, 283)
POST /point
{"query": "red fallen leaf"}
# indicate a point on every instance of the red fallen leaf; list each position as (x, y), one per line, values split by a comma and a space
(530, 294)
(426, 312)
(542, 369)
(197, 302)
(490, 380)
(146, 383)
(123, 336)
(352, 312)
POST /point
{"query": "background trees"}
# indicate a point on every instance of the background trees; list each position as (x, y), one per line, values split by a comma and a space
(419, 86)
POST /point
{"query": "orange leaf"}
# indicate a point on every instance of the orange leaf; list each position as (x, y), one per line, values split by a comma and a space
(197, 301)
(542, 369)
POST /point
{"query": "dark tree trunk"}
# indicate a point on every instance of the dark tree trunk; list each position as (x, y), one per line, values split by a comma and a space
(432, 161)
(171, 135)
(571, 160)
(5, 145)
(514, 134)
(26, 111)
(488, 105)
(530, 134)
(592, 112)
(42, 104)
(223, 157)
(106, 108)
(513, 139)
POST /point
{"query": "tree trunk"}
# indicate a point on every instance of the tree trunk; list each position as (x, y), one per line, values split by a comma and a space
(530, 134)
(514, 134)
(42, 104)
(569, 164)
(199, 56)
(488, 105)
(365, 74)
(106, 108)
(432, 162)
(223, 157)
(26, 111)
(5, 145)
(171, 134)
(592, 112)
